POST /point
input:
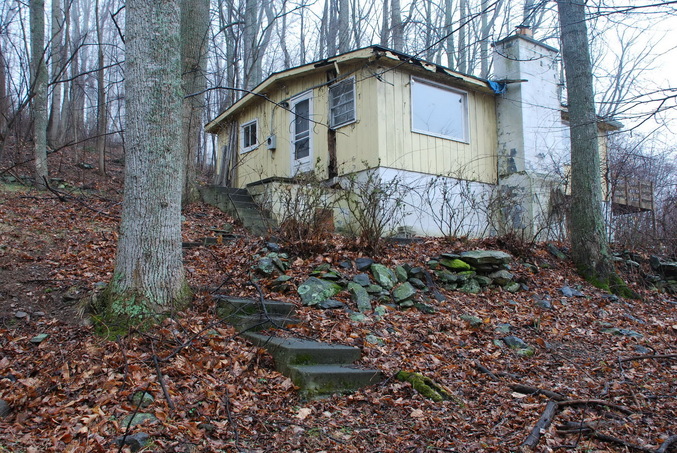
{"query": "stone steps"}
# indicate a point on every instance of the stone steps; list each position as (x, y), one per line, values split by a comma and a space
(318, 369)
(240, 204)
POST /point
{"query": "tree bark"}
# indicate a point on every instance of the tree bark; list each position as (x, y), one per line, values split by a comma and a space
(343, 26)
(149, 276)
(39, 91)
(194, 29)
(101, 120)
(589, 248)
(57, 73)
(396, 25)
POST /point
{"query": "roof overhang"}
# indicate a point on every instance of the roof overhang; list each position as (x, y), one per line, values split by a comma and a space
(384, 56)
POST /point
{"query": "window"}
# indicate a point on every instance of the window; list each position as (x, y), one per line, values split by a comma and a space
(439, 111)
(249, 141)
(342, 103)
(301, 136)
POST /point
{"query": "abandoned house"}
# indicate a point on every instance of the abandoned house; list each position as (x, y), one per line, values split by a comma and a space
(473, 157)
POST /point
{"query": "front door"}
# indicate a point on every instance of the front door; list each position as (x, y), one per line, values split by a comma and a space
(301, 138)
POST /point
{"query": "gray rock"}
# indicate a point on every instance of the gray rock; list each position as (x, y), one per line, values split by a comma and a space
(401, 274)
(417, 283)
(4, 408)
(449, 277)
(512, 287)
(557, 253)
(346, 264)
(266, 266)
(332, 275)
(273, 247)
(373, 339)
(403, 292)
(514, 342)
(363, 264)
(455, 264)
(425, 308)
(39, 338)
(374, 289)
(639, 349)
(471, 287)
(331, 304)
(380, 311)
(502, 277)
(281, 284)
(358, 317)
(567, 291)
(313, 291)
(135, 441)
(543, 302)
(360, 296)
(136, 419)
(623, 332)
(39, 314)
(474, 321)
(362, 280)
(383, 276)
(482, 280)
(20, 314)
(503, 327)
(142, 399)
(480, 258)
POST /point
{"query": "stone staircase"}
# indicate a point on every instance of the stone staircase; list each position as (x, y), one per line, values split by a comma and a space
(318, 369)
(240, 204)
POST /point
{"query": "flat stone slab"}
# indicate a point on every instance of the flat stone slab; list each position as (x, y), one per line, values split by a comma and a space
(239, 306)
(294, 351)
(318, 380)
(260, 321)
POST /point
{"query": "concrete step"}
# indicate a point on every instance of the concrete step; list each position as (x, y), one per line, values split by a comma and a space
(228, 305)
(295, 351)
(319, 380)
(257, 322)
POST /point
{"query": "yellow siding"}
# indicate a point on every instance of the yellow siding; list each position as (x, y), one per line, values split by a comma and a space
(403, 149)
(381, 134)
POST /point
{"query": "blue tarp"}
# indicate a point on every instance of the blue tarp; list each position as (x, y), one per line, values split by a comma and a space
(498, 87)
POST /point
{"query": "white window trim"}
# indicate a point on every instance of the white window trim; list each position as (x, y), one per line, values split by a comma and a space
(247, 149)
(331, 118)
(466, 119)
(304, 164)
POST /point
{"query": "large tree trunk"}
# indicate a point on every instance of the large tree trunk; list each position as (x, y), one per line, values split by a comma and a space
(194, 29)
(4, 100)
(39, 90)
(149, 276)
(101, 119)
(53, 134)
(589, 248)
(343, 26)
(397, 25)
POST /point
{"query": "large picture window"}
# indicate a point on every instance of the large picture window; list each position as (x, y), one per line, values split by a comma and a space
(438, 110)
(248, 138)
(342, 103)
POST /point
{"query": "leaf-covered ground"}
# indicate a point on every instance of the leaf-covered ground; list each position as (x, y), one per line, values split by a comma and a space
(71, 391)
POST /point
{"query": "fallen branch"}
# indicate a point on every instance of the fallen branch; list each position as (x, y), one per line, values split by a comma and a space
(160, 378)
(619, 408)
(586, 428)
(478, 366)
(425, 386)
(666, 444)
(649, 356)
(527, 390)
(543, 423)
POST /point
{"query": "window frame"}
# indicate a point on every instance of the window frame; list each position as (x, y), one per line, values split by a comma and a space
(351, 81)
(256, 144)
(464, 110)
(303, 164)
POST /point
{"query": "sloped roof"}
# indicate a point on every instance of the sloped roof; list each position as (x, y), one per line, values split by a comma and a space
(372, 53)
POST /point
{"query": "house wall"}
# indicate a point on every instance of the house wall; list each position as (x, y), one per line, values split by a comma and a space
(400, 148)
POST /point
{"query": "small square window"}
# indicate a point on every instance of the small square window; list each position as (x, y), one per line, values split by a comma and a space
(342, 103)
(248, 132)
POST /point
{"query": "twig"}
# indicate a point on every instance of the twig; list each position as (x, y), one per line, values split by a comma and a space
(666, 444)
(126, 367)
(131, 419)
(304, 426)
(527, 390)
(543, 423)
(478, 366)
(236, 434)
(650, 356)
(160, 378)
(619, 408)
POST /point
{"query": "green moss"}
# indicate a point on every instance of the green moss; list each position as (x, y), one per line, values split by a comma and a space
(117, 311)
(425, 386)
(611, 283)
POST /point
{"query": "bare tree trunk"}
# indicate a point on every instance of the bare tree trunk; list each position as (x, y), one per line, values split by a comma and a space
(194, 29)
(4, 100)
(149, 276)
(589, 248)
(39, 90)
(343, 26)
(57, 70)
(462, 33)
(449, 31)
(385, 28)
(101, 120)
(397, 26)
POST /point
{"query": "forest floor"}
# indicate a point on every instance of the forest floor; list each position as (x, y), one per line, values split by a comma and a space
(71, 391)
